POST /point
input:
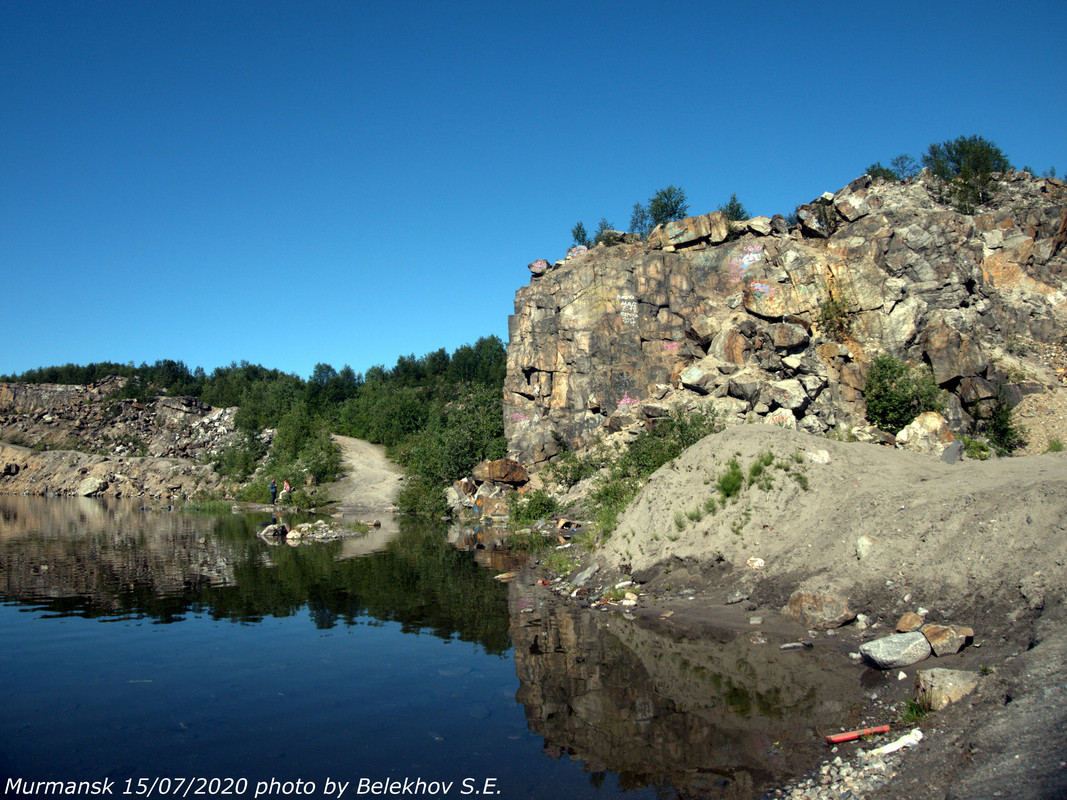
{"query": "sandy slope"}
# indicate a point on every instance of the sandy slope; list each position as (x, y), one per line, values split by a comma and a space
(982, 544)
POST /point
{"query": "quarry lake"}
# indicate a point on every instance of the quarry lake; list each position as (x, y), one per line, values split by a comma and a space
(179, 654)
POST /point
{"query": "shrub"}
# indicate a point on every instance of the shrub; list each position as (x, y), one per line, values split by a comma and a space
(238, 461)
(965, 165)
(647, 453)
(606, 233)
(731, 481)
(876, 170)
(973, 448)
(532, 507)
(1003, 434)
(833, 318)
(896, 393)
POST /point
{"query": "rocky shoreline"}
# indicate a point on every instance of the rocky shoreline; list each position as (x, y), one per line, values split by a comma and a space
(974, 554)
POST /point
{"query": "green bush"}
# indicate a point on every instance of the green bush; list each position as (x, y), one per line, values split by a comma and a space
(1000, 429)
(569, 468)
(532, 507)
(606, 233)
(965, 166)
(731, 481)
(461, 432)
(238, 461)
(896, 393)
(876, 170)
(648, 452)
(833, 318)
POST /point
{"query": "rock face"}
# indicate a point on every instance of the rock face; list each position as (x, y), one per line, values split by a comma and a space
(89, 418)
(764, 321)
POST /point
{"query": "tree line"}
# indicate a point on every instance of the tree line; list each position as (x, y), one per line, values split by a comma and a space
(438, 414)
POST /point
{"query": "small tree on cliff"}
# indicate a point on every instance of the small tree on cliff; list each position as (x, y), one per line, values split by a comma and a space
(640, 220)
(579, 235)
(667, 205)
(734, 210)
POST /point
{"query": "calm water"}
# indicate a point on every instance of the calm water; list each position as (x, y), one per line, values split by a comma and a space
(160, 645)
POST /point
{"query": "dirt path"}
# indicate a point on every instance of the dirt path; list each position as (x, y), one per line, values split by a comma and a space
(368, 488)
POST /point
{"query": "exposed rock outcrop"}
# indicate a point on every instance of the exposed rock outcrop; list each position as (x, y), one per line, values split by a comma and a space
(84, 441)
(762, 320)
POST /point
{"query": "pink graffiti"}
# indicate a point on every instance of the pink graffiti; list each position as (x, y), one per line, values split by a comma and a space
(627, 400)
(670, 345)
(762, 290)
(741, 260)
(519, 417)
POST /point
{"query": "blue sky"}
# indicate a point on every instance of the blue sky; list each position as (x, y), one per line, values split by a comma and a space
(291, 183)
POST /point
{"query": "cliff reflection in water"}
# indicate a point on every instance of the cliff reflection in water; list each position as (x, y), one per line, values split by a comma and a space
(711, 712)
(111, 559)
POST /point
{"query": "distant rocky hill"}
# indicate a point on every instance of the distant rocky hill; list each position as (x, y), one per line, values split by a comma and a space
(777, 323)
(86, 441)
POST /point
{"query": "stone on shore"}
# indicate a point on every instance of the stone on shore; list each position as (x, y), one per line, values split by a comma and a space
(819, 610)
(936, 688)
(897, 650)
(947, 639)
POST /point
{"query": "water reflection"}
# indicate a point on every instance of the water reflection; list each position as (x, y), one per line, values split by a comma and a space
(715, 712)
(708, 712)
(98, 559)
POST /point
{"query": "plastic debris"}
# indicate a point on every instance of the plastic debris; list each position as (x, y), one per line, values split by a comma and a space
(848, 736)
(910, 740)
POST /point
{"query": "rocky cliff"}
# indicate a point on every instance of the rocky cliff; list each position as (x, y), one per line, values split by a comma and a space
(772, 322)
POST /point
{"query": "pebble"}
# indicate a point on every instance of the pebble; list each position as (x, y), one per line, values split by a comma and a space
(841, 779)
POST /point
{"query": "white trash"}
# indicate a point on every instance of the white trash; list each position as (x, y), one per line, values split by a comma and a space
(910, 740)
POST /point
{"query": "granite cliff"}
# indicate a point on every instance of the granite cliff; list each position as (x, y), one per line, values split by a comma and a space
(773, 322)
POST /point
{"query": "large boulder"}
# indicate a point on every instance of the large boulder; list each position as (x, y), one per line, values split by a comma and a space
(819, 611)
(951, 354)
(946, 640)
(928, 433)
(503, 470)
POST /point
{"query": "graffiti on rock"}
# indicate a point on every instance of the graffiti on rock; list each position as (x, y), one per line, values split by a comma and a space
(628, 309)
(742, 259)
(761, 290)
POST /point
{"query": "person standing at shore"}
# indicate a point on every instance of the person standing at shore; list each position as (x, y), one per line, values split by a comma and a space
(273, 491)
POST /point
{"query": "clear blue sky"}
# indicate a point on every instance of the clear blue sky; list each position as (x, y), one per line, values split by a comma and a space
(346, 182)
